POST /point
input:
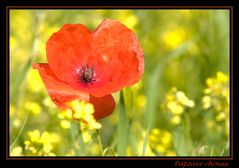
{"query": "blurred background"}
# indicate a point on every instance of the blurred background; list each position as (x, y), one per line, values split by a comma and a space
(180, 107)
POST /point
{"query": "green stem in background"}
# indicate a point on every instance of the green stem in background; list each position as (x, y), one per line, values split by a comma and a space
(76, 136)
(99, 140)
(108, 149)
(182, 139)
(152, 94)
(146, 139)
(23, 125)
(80, 135)
(14, 91)
(122, 127)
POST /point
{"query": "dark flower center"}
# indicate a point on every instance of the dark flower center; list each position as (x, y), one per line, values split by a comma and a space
(87, 74)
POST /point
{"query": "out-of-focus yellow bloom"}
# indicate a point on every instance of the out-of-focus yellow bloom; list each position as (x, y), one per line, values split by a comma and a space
(16, 123)
(51, 154)
(175, 119)
(171, 153)
(68, 113)
(176, 102)
(45, 137)
(47, 31)
(183, 99)
(127, 18)
(61, 115)
(217, 98)
(161, 141)
(129, 151)
(82, 112)
(13, 41)
(221, 116)
(131, 21)
(160, 149)
(40, 144)
(175, 108)
(34, 135)
(174, 38)
(86, 136)
(47, 147)
(166, 139)
(33, 107)
(141, 101)
(48, 102)
(206, 101)
(148, 150)
(34, 81)
(221, 77)
(11, 110)
(65, 124)
(16, 151)
(95, 149)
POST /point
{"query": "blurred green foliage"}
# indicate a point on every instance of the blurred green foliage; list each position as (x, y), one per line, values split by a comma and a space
(173, 111)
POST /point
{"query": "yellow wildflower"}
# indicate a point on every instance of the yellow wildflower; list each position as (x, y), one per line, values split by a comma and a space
(34, 135)
(33, 107)
(16, 151)
(65, 124)
(175, 119)
(82, 112)
(217, 97)
(173, 38)
(174, 107)
(206, 100)
(177, 102)
(221, 77)
(160, 140)
(40, 144)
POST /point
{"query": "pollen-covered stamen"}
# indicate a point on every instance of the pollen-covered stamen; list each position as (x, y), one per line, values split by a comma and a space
(87, 74)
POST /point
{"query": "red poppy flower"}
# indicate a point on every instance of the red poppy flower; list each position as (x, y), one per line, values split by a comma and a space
(89, 66)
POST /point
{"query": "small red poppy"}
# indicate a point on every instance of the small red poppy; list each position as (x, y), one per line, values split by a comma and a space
(89, 66)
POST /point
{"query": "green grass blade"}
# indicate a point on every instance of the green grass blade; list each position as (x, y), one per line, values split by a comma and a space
(110, 150)
(22, 127)
(152, 94)
(122, 127)
(146, 139)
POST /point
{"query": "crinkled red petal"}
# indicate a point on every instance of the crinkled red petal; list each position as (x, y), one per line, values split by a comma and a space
(67, 50)
(118, 57)
(104, 106)
(112, 49)
(61, 93)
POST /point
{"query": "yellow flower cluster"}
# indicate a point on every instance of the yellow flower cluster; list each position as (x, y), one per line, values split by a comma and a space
(217, 98)
(80, 111)
(40, 144)
(16, 151)
(161, 141)
(217, 93)
(176, 102)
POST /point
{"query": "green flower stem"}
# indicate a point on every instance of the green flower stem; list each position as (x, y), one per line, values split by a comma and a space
(100, 143)
(110, 150)
(82, 144)
(77, 139)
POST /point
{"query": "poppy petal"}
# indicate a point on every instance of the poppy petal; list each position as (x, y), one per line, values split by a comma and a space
(61, 93)
(104, 106)
(67, 50)
(118, 58)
